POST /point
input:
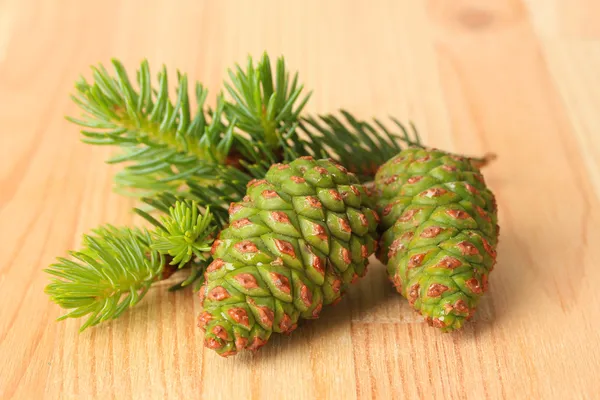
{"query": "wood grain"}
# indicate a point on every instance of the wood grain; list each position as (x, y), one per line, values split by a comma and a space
(514, 77)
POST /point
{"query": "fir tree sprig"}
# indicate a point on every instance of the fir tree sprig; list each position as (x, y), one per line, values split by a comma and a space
(117, 266)
(162, 142)
(359, 145)
(184, 233)
(265, 105)
(112, 272)
(165, 146)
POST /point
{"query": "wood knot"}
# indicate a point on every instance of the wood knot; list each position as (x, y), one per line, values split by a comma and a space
(474, 19)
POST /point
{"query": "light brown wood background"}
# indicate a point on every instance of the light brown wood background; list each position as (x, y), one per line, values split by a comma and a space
(518, 78)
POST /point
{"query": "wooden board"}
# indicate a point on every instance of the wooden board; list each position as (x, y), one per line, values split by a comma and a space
(518, 78)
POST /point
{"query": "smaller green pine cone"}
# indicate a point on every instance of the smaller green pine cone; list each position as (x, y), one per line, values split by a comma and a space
(300, 236)
(439, 233)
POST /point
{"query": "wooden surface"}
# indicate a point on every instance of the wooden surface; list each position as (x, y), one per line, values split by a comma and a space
(518, 78)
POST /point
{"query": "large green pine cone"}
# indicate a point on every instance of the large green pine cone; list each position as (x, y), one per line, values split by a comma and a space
(439, 224)
(293, 244)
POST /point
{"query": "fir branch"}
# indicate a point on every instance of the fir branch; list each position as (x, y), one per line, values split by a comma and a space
(117, 266)
(266, 105)
(161, 141)
(112, 272)
(168, 149)
(184, 233)
(359, 145)
(165, 147)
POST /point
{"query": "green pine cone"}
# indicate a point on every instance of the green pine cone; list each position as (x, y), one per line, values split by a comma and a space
(293, 244)
(439, 233)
